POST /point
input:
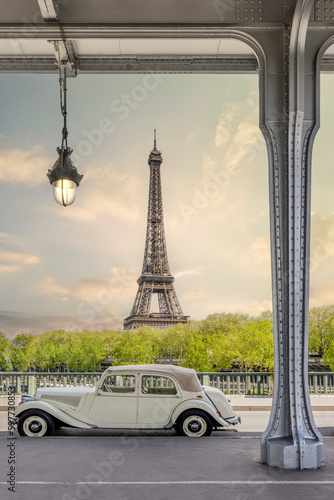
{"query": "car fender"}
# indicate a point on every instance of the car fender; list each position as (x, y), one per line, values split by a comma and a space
(54, 412)
(195, 404)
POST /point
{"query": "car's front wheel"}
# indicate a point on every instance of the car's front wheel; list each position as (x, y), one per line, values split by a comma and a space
(194, 423)
(35, 423)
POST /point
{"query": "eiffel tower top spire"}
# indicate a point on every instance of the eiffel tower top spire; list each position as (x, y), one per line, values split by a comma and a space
(155, 154)
(155, 256)
(155, 277)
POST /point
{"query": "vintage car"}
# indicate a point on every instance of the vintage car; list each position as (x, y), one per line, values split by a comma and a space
(129, 397)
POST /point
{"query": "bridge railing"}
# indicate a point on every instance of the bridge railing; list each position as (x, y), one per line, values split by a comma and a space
(237, 383)
(28, 382)
(250, 383)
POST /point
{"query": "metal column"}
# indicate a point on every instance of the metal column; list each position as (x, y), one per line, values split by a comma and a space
(289, 123)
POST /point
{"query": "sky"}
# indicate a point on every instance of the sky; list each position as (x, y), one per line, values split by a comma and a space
(75, 268)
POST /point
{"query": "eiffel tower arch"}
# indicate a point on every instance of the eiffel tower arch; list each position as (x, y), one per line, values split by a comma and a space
(155, 277)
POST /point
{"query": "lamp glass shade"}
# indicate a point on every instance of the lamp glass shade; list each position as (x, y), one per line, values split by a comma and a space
(64, 191)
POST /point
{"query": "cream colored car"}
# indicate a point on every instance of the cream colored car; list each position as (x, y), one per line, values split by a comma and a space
(129, 397)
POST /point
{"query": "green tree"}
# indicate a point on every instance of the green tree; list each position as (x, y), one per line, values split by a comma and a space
(329, 355)
(134, 347)
(92, 354)
(172, 342)
(255, 345)
(109, 339)
(223, 351)
(5, 353)
(222, 324)
(321, 328)
(22, 351)
(46, 355)
(72, 355)
(198, 354)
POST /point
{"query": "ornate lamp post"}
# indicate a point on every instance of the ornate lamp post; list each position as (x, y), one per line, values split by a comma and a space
(64, 176)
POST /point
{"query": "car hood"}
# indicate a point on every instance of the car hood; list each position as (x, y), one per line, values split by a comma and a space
(71, 397)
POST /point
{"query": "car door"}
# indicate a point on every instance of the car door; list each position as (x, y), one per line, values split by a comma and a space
(157, 397)
(115, 403)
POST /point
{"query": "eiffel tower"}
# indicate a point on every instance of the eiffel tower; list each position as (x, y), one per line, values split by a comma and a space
(155, 276)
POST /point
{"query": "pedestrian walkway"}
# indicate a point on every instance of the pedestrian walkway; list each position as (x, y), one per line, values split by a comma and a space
(250, 403)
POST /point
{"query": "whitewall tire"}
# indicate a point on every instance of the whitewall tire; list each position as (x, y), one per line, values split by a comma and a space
(194, 423)
(35, 423)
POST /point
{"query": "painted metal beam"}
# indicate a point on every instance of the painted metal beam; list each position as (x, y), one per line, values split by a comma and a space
(49, 10)
(156, 64)
(143, 64)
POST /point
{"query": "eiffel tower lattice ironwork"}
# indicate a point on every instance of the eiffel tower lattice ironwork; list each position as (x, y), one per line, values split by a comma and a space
(155, 276)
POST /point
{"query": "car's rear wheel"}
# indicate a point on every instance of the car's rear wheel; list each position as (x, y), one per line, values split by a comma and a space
(194, 423)
(35, 423)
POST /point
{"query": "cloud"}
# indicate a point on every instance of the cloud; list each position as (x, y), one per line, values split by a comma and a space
(9, 269)
(321, 295)
(54, 291)
(260, 250)
(8, 255)
(119, 285)
(258, 257)
(105, 192)
(191, 137)
(13, 261)
(195, 293)
(239, 305)
(190, 272)
(246, 142)
(23, 166)
(238, 145)
(13, 323)
(225, 124)
(260, 215)
(322, 241)
(9, 239)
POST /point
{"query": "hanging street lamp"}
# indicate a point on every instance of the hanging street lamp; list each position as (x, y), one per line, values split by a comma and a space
(64, 176)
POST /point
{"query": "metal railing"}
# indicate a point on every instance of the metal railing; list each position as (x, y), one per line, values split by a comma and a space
(28, 382)
(250, 383)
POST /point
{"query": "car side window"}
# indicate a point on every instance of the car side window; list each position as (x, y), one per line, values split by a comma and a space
(120, 384)
(156, 384)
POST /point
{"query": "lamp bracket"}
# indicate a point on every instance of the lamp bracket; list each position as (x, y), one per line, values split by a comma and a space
(65, 57)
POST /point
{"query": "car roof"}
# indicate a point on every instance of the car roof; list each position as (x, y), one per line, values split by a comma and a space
(186, 377)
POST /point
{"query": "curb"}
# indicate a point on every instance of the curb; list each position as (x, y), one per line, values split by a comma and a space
(268, 408)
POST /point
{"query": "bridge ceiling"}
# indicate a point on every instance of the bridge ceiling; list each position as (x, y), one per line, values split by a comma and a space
(106, 36)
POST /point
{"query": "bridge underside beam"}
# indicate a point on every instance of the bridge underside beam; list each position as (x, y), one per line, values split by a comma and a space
(157, 64)
(134, 65)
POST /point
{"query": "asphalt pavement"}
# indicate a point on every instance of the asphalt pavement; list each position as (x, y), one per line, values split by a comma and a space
(102, 464)
(145, 465)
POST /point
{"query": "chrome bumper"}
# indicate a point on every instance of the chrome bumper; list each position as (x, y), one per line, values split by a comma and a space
(234, 420)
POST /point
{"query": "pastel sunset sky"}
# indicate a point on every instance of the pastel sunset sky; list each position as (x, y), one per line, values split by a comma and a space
(76, 267)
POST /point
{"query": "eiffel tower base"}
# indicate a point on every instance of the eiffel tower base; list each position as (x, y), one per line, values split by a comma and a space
(135, 321)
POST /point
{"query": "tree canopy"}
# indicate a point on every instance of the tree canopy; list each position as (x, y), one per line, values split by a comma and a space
(216, 343)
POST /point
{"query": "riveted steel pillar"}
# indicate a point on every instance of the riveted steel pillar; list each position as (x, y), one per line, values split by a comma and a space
(289, 123)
